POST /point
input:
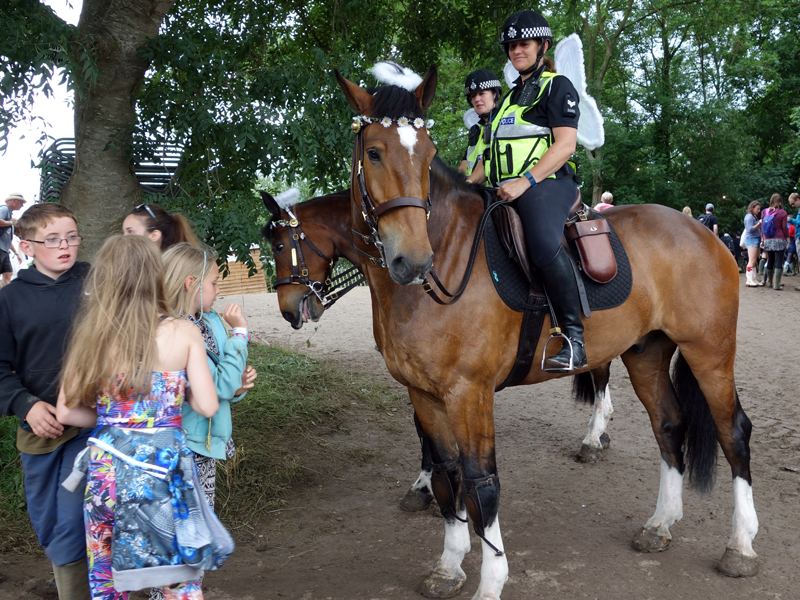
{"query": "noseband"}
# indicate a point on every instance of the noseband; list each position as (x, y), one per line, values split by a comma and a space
(333, 288)
(369, 211)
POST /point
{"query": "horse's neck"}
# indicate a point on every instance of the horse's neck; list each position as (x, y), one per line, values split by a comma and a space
(455, 213)
(333, 215)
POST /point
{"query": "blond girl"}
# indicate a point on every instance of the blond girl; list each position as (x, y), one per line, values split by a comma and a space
(128, 370)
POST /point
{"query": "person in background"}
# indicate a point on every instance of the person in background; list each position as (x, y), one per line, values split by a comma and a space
(36, 314)
(688, 212)
(752, 241)
(791, 252)
(606, 201)
(165, 229)
(775, 232)
(709, 219)
(482, 89)
(13, 203)
(794, 202)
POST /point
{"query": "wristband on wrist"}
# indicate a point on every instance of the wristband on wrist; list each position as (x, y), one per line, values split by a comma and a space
(530, 178)
(240, 332)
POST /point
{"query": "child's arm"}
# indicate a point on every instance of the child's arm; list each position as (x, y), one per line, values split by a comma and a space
(202, 394)
(229, 371)
(248, 379)
(79, 415)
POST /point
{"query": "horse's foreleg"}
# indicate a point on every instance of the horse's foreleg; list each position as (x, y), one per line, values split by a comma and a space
(446, 578)
(597, 439)
(419, 496)
(648, 367)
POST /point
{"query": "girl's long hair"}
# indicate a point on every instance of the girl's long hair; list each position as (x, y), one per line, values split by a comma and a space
(775, 202)
(113, 345)
(174, 227)
(180, 262)
(751, 208)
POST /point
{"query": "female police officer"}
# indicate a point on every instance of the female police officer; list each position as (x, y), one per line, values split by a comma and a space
(533, 136)
(483, 91)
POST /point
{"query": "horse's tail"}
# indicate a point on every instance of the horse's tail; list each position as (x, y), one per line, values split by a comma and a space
(583, 387)
(701, 431)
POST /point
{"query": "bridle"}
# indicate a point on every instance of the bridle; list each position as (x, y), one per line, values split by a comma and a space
(333, 288)
(369, 211)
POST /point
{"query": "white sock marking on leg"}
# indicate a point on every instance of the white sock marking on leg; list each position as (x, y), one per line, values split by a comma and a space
(669, 508)
(745, 521)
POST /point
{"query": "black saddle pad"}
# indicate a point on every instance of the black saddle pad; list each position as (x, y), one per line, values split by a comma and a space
(513, 287)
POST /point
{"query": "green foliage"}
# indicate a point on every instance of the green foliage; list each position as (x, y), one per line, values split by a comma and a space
(16, 535)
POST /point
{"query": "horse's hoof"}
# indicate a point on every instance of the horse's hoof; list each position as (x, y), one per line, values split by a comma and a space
(735, 564)
(605, 440)
(588, 454)
(649, 540)
(416, 500)
(437, 585)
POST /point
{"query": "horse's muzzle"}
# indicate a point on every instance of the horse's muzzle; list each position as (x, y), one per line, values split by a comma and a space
(405, 271)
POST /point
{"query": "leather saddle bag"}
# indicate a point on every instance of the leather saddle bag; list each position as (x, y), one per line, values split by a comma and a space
(592, 240)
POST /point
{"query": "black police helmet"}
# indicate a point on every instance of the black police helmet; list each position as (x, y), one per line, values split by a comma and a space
(525, 25)
(482, 79)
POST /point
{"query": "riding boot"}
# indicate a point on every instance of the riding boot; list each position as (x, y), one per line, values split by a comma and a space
(72, 580)
(559, 282)
(777, 285)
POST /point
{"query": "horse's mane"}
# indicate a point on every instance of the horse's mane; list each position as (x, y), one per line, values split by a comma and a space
(440, 169)
(394, 102)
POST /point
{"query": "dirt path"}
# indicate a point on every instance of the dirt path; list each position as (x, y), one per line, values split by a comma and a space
(566, 526)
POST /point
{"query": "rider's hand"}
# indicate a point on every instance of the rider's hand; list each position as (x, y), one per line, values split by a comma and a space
(42, 420)
(234, 316)
(513, 189)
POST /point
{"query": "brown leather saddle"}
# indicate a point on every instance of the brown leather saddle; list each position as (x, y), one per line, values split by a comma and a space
(586, 235)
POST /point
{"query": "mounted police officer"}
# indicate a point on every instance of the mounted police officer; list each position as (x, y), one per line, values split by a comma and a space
(483, 91)
(533, 136)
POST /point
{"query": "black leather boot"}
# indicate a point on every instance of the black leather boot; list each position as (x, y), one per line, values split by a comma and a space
(559, 281)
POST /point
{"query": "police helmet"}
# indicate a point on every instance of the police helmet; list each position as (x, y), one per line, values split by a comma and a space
(525, 25)
(482, 79)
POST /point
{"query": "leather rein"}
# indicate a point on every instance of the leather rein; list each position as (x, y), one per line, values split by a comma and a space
(371, 213)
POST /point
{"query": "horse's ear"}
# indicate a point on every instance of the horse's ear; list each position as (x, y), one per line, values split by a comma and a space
(270, 204)
(427, 89)
(358, 98)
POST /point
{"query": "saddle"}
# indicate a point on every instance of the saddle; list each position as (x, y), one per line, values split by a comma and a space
(587, 236)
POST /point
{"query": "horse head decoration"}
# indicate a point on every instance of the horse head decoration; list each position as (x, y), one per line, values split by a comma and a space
(392, 150)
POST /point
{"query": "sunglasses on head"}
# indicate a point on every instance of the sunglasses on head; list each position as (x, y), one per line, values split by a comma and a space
(142, 207)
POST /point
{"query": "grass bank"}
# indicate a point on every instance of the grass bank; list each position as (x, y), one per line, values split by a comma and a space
(295, 406)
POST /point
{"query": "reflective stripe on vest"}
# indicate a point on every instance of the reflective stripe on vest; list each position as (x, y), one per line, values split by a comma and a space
(517, 145)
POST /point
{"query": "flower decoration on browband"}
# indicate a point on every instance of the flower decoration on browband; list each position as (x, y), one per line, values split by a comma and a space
(363, 120)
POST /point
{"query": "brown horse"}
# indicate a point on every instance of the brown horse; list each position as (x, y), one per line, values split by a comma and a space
(451, 358)
(311, 240)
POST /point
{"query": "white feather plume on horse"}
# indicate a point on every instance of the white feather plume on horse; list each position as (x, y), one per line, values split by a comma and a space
(394, 74)
(288, 198)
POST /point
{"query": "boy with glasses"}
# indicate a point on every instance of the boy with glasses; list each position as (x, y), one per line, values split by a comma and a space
(36, 313)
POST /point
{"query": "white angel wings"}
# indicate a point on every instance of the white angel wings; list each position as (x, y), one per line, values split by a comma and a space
(569, 62)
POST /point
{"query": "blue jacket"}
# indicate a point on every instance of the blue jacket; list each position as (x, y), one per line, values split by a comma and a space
(209, 438)
(796, 223)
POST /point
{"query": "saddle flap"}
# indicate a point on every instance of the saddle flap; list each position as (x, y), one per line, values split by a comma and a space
(512, 237)
(592, 240)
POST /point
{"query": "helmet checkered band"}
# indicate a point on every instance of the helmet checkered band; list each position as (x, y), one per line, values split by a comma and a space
(535, 32)
(487, 85)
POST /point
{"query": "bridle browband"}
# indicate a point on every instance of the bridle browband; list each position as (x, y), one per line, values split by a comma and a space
(369, 211)
(333, 288)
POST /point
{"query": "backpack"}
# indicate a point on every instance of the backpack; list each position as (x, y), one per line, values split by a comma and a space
(704, 219)
(768, 225)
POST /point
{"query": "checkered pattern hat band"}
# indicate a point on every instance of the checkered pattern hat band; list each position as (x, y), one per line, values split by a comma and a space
(525, 33)
(483, 85)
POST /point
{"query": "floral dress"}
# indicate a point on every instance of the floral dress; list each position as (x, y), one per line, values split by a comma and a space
(146, 523)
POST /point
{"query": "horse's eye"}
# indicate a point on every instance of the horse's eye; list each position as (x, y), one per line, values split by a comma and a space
(373, 155)
(277, 249)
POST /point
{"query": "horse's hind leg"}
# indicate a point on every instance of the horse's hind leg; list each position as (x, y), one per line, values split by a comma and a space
(596, 439)
(419, 496)
(446, 578)
(648, 366)
(710, 385)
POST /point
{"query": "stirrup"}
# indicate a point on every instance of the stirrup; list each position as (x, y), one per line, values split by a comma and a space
(557, 333)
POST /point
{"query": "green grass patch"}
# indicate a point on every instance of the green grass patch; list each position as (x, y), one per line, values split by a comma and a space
(279, 427)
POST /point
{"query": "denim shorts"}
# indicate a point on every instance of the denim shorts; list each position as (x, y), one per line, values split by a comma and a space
(752, 242)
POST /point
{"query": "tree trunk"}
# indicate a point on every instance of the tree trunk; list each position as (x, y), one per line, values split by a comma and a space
(103, 187)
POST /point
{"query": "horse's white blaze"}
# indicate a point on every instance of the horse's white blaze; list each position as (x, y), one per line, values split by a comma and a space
(669, 508)
(597, 424)
(408, 138)
(456, 546)
(423, 481)
(745, 521)
(494, 569)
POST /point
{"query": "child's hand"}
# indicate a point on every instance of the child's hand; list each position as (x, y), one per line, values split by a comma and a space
(42, 419)
(234, 316)
(248, 377)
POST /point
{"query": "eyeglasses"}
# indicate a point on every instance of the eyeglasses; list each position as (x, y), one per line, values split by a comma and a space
(147, 208)
(54, 242)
